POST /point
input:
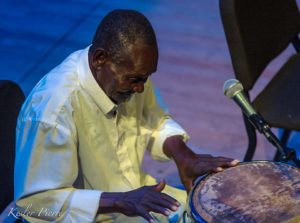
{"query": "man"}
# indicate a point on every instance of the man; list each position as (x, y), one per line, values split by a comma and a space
(83, 131)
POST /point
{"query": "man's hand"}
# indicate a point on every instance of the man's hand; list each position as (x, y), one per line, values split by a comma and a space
(191, 165)
(195, 165)
(139, 202)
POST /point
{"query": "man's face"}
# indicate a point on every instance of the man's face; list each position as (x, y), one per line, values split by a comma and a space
(120, 81)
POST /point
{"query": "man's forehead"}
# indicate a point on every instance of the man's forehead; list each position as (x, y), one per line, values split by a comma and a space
(140, 59)
(133, 70)
(139, 46)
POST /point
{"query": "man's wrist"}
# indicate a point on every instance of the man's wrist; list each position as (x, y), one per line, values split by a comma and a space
(175, 148)
(108, 201)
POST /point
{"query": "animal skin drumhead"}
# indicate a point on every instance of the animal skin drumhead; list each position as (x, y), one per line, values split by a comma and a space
(250, 192)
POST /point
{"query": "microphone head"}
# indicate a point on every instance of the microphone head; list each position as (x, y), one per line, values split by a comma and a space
(231, 87)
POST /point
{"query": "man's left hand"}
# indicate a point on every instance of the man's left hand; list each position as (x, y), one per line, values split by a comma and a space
(191, 165)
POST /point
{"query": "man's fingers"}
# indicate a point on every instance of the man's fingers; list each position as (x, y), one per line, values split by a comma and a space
(160, 186)
(170, 199)
(145, 214)
(224, 164)
(220, 160)
(226, 161)
(206, 164)
(219, 167)
(204, 155)
(165, 201)
(159, 209)
(234, 162)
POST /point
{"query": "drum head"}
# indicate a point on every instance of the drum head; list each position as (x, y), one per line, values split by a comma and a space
(250, 192)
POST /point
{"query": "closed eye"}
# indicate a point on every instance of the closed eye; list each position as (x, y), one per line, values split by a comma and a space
(137, 80)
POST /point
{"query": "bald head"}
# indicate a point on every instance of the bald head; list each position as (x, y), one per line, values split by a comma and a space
(120, 29)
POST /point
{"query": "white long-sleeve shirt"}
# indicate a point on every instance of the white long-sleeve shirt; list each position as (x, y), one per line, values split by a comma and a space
(73, 143)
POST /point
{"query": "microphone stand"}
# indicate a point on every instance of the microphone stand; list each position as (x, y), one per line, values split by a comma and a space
(262, 126)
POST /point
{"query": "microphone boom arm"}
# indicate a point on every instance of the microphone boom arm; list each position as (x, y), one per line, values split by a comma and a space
(263, 127)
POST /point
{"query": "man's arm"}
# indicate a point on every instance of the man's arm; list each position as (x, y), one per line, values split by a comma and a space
(169, 142)
(159, 121)
(45, 169)
(191, 165)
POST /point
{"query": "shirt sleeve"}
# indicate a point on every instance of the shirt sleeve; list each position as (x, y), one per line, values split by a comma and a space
(46, 168)
(157, 115)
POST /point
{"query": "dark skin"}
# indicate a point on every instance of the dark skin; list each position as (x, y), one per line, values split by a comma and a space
(119, 82)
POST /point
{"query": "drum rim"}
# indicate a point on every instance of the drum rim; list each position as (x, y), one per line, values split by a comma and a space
(196, 216)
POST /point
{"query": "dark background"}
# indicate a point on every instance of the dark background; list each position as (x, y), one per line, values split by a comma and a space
(194, 62)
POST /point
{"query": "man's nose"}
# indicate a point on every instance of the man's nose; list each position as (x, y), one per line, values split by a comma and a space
(139, 87)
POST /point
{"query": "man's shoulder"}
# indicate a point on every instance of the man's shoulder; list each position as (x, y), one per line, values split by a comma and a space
(47, 103)
(54, 92)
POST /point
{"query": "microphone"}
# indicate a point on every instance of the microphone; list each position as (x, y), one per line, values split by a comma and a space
(233, 89)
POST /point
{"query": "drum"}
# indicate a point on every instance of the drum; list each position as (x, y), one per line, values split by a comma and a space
(259, 191)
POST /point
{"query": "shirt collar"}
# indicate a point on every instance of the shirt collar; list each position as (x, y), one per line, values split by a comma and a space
(90, 85)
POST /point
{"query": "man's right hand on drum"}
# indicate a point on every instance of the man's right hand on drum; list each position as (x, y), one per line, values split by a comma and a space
(191, 165)
(139, 202)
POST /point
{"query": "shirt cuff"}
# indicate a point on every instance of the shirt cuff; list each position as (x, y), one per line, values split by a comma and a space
(167, 129)
(84, 205)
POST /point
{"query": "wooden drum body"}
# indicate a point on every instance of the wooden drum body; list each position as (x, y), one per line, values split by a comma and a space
(251, 192)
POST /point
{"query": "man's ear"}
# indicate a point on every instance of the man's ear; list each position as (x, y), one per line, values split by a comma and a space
(99, 57)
